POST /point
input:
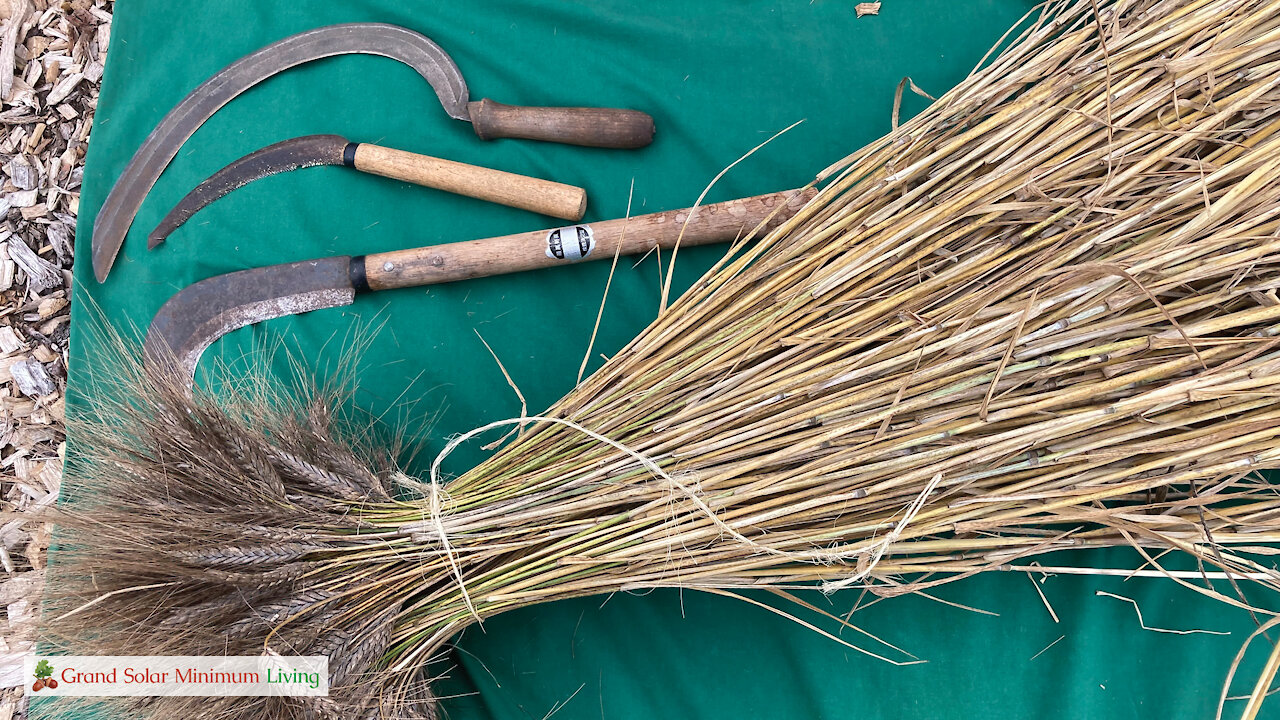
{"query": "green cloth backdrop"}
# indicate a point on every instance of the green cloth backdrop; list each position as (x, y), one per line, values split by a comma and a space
(719, 78)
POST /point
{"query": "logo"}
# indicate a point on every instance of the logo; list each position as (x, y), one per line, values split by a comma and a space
(191, 676)
(570, 243)
(44, 677)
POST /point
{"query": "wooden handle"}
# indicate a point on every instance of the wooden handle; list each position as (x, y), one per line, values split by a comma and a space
(566, 202)
(720, 222)
(593, 127)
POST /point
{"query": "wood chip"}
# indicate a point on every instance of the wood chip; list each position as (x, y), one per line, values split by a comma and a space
(32, 379)
(8, 269)
(23, 173)
(50, 306)
(64, 88)
(8, 44)
(867, 8)
(93, 71)
(41, 274)
(52, 324)
(19, 408)
(37, 135)
(33, 74)
(35, 211)
(6, 364)
(58, 409)
(9, 340)
(10, 8)
(36, 45)
(23, 199)
(38, 545)
(59, 236)
(19, 612)
(21, 92)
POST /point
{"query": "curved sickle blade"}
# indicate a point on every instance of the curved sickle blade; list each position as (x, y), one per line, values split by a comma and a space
(293, 154)
(201, 313)
(392, 41)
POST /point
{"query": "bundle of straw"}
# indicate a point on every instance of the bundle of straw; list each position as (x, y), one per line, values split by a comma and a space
(1041, 315)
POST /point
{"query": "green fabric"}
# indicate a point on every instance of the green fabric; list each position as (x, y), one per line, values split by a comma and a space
(719, 78)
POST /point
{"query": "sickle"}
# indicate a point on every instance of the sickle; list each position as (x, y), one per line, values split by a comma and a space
(201, 313)
(566, 202)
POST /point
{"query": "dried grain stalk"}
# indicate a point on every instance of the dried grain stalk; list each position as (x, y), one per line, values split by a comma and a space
(1041, 315)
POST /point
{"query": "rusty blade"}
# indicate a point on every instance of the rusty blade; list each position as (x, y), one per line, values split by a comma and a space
(201, 313)
(131, 188)
(300, 152)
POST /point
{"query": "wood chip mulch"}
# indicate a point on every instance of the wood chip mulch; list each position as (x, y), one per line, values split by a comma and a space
(51, 60)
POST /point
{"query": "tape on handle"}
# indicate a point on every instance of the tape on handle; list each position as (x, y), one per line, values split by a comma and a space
(571, 243)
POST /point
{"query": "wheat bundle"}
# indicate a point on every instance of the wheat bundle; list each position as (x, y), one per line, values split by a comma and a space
(1042, 314)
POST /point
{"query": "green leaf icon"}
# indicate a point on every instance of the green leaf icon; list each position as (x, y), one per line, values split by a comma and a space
(44, 669)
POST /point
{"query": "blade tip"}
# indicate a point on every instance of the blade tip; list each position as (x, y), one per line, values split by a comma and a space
(102, 266)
